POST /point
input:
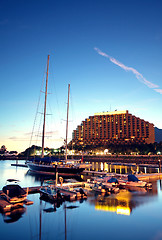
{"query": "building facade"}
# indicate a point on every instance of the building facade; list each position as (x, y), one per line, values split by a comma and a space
(118, 127)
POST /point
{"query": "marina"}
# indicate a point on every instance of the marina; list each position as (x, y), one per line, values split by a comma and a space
(70, 195)
(93, 213)
(81, 130)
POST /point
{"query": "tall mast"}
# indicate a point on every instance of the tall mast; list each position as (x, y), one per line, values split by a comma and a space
(67, 122)
(44, 121)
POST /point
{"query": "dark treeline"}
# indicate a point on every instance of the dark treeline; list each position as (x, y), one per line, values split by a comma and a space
(141, 149)
(36, 150)
(134, 148)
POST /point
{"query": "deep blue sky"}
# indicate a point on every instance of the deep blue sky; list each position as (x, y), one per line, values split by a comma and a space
(127, 30)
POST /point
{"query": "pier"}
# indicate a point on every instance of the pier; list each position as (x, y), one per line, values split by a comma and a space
(19, 165)
(126, 159)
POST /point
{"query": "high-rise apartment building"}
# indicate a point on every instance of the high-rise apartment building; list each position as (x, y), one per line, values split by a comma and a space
(113, 127)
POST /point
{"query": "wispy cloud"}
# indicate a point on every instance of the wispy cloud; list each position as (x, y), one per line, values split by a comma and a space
(18, 138)
(13, 138)
(138, 75)
(158, 90)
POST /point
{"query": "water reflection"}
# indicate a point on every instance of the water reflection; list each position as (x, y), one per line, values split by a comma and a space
(160, 181)
(14, 215)
(55, 204)
(125, 201)
(123, 168)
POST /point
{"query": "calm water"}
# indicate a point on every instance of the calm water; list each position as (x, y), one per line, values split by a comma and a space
(127, 215)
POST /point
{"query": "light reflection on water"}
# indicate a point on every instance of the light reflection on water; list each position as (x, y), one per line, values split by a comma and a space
(134, 214)
(123, 169)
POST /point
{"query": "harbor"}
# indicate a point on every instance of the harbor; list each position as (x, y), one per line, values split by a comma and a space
(81, 129)
(69, 195)
(93, 212)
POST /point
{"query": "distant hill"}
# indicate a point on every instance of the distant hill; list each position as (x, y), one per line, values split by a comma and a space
(158, 134)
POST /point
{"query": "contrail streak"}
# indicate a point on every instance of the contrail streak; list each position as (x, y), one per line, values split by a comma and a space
(138, 75)
(158, 90)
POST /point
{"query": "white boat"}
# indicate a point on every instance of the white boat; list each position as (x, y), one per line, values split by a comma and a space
(132, 180)
(107, 182)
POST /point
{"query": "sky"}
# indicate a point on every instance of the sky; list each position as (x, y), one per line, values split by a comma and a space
(109, 51)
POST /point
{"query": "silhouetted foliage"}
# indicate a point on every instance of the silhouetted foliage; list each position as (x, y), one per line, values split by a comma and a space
(120, 148)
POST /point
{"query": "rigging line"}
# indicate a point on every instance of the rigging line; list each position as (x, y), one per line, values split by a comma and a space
(37, 110)
(39, 127)
(37, 136)
(54, 85)
(53, 120)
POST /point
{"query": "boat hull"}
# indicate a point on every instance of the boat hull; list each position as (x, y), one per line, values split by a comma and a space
(132, 184)
(51, 169)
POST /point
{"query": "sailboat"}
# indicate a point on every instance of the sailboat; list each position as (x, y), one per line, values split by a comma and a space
(46, 165)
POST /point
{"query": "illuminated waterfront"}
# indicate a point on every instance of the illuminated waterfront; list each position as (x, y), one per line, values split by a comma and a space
(135, 214)
(123, 169)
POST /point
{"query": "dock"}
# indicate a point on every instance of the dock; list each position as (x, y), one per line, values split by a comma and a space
(19, 165)
(32, 190)
(94, 173)
(149, 176)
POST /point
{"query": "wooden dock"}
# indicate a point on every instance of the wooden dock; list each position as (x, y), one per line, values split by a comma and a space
(149, 176)
(19, 165)
(32, 190)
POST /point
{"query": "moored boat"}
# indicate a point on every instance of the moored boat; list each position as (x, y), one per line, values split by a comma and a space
(132, 180)
(52, 193)
(45, 165)
(62, 169)
(13, 193)
(98, 188)
(72, 193)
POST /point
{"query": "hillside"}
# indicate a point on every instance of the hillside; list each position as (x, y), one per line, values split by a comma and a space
(158, 134)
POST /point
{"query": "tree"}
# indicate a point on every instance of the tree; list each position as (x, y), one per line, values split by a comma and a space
(3, 149)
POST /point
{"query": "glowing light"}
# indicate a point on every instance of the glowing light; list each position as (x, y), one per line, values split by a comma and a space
(123, 211)
(118, 209)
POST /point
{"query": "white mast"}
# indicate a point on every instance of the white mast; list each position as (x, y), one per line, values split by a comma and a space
(43, 133)
(67, 122)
